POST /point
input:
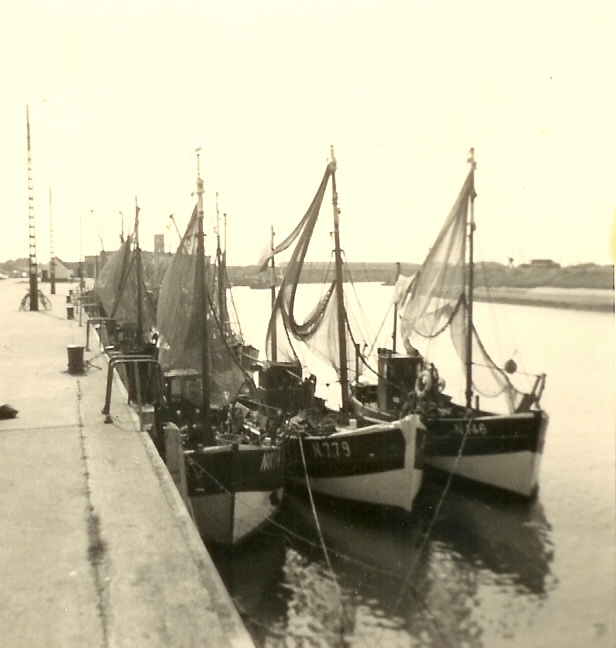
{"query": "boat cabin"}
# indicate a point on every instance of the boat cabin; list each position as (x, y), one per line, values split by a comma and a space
(183, 386)
(281, 385)
(397, 377)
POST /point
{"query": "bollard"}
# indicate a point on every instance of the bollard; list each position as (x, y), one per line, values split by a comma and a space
(70, 312)
(75, 359)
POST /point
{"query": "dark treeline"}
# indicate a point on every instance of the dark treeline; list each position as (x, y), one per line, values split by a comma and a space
(491, 274)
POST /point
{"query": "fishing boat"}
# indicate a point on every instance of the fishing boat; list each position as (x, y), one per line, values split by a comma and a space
(378, 464)
(127, 306)
(231, 444)
(498, 448)
(247, 354)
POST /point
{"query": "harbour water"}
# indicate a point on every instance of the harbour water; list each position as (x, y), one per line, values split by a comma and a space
(467, 568)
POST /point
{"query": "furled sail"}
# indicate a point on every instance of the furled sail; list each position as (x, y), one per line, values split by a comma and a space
(436, 300)
(179, 323)
(117, 290)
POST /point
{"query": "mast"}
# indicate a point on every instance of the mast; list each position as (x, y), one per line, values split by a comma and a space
(176, 226)
(33, 267)
(394, 333)
(470, 286)
(221, 273)
(273, 295)
(207, 433)
(81, 259)
(52, 261)
(344, 377)
(139, 276)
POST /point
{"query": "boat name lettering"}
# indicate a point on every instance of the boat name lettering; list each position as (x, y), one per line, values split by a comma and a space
(462, 428)
(270, 461)
(331, 449)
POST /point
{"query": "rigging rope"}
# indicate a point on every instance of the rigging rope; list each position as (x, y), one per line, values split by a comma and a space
(407, 580)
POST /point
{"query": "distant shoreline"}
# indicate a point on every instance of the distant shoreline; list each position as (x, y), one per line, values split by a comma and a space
(589, 299)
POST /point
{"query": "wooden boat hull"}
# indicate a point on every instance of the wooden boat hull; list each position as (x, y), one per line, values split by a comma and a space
(379, 464)
(503, 451)
(234, 489)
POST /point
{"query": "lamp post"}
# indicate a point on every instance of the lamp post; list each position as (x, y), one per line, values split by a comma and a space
(33, 266)
(52, 258)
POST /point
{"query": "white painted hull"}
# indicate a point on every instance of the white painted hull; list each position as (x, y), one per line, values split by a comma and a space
(516, 472)
(395, 488)
(225, 518)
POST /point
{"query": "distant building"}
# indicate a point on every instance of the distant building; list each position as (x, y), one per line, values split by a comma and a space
(63, 271)
(159, 243)
(544, 263)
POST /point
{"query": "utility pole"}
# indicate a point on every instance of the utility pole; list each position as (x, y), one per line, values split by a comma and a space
(52, 258)
(33, 267)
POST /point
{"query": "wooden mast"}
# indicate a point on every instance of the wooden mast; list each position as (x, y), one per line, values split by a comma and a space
(139, 273)
(394, 333)
(207, 433)
(220, 263)
(470, 287)
(344, 376)
(274, 341)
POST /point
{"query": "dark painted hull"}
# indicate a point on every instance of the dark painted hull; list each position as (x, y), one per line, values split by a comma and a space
(234, 489)
(503, 451)
(380, 464)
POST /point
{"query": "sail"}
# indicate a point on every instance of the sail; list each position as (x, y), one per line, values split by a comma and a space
(179, 323)
(319, 330)
(436, 300)
(432, 298)
(117, 290)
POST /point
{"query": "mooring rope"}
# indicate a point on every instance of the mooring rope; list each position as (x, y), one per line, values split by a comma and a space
(314, 513)
(321, 539)
(407, 580)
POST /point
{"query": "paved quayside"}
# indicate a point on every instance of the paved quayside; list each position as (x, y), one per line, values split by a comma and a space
(96, 546)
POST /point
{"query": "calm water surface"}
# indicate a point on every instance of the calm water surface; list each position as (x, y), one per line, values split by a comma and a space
(467, 567)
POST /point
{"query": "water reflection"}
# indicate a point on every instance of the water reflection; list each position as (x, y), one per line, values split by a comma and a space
(428, 579)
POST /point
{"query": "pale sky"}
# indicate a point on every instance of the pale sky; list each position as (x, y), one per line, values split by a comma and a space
(401, 89)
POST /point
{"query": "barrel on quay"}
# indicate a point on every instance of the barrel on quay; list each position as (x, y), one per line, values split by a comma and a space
(96, 545)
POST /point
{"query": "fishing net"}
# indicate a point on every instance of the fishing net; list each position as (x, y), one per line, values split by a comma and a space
(435, 300)
(117, 288)
(319, 329)
(186, 324)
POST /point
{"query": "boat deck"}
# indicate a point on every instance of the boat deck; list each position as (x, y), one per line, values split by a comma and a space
(96, 546)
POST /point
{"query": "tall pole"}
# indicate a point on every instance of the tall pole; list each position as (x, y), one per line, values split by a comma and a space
(394, 333)
(82, 284)
(33, 267)
(176, 226)
(273, 296)
(471, 279)
(139, 273)
(222, 314)
(344, 372)
(224, 240)
(52, 258)
(208, 434)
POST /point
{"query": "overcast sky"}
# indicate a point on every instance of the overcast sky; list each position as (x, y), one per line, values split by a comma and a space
(121, 93)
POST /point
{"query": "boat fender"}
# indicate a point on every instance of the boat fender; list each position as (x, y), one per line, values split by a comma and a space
(423, 384)
(409, 404)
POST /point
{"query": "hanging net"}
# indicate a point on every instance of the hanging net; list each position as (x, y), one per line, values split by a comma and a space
(435, 300)
(319, 329)
(180, 320)
(117, 289)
